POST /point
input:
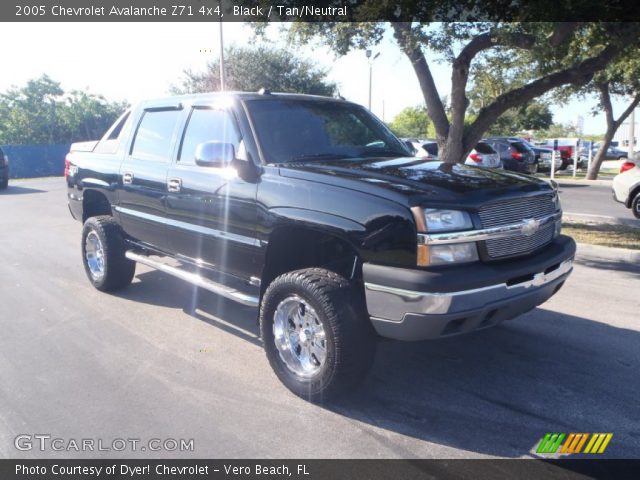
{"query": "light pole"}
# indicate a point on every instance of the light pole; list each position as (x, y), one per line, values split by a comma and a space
(222, 76)
(368, 53)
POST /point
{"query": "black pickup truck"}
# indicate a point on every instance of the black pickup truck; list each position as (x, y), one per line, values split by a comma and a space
(312, 211)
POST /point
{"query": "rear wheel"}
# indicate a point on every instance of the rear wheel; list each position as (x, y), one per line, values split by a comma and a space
(103, 254)
(4, 183)
(536, 167)
(635, 206)
(316, 333)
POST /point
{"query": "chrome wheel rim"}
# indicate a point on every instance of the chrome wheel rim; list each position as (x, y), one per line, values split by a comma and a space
(94, 255)
(299, 336)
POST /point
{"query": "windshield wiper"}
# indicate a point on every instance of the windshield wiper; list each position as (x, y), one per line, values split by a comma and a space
(383, 152)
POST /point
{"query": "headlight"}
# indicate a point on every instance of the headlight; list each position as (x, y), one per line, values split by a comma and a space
(453, 253)
(446, 220)
(434, 220)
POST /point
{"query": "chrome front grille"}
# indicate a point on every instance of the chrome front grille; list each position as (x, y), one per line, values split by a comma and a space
(512, 211)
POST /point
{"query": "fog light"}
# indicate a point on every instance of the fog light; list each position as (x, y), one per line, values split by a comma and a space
(453, 253)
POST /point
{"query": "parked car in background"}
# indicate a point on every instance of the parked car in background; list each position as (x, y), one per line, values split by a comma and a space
(481, 156)
(629, 164)
(543, 155)
(565, 148)
(612, 153)
(514, 154)
(626, 186)
(484, 156)
(4, 170)
(426, 149)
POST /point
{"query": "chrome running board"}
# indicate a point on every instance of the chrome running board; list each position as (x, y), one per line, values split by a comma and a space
(195, 279)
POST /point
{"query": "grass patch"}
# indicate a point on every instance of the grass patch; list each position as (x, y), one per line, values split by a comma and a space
(603, 234)
(603, 174)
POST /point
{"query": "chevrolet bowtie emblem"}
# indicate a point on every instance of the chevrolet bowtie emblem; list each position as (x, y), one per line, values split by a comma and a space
(530, 226)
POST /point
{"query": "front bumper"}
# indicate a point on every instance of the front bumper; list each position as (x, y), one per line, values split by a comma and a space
(418, 304)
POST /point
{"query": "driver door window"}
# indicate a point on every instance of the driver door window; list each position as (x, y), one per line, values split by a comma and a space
(207, 125)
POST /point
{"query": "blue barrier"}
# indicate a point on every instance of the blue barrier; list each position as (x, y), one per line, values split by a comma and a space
(26, 161)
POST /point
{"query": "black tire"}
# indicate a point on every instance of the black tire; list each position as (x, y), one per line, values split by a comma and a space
(117, 270)
(4, 183)
(635, 206)
(536, 167)
(349, 338)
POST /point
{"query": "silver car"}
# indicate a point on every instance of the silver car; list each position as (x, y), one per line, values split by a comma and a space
(484, 156)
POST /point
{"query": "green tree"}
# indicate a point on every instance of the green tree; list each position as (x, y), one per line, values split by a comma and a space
(559, 130)
(544, 55)
(250, 69)
(412, 122)
(492, 77)
(41, 113)
(621, 79)
(535, 116)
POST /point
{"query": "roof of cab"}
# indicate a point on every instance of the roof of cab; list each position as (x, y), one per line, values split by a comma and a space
(203, 97)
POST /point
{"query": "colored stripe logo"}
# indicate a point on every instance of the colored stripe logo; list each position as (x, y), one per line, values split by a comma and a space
(552, 443)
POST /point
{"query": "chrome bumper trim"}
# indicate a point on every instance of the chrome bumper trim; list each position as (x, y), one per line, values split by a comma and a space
(527, 227)
(392, 304)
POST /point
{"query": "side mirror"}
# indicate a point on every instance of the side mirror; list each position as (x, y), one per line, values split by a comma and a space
(215, 154)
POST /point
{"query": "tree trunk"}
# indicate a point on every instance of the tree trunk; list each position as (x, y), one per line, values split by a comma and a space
(454, 139)
(596, 162)
(435, 108)
(612, 127)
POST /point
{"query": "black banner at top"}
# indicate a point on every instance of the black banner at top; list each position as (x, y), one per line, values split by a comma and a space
(317, 10)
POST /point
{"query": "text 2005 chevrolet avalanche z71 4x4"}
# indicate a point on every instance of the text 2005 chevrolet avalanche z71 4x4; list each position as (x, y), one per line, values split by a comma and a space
(312, 211)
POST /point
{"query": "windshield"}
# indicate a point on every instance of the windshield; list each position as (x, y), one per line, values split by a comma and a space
(292, 130)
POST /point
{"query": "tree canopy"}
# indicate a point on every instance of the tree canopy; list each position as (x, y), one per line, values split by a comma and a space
(250, 69)
(538, 56)
(42, 113)
(412, 122)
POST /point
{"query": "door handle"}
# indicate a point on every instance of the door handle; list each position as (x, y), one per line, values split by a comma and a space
(174, 184)
(127, 178)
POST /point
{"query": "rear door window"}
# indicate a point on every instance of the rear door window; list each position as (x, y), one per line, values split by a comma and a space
(432, 148)
(484, 148)
(519, 147)
(154, 136)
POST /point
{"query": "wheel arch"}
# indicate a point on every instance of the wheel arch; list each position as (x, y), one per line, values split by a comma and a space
(95, 203)
(294, 246)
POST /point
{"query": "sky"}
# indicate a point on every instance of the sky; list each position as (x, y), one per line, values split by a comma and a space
(135, 61)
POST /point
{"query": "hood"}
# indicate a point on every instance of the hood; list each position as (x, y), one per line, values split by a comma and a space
(417, 179)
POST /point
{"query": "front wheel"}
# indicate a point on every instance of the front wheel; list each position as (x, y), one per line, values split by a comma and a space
(635, 206)
(316, 333)
(4, 183)
(103, 254)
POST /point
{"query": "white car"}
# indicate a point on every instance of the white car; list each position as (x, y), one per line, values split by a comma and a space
(626, 186)
(481, 156)
(484, 156)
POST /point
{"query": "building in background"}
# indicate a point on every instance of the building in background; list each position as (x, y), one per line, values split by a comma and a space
(622, 135)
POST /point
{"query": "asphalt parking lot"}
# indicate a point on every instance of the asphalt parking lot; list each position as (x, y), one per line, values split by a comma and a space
(162, 360)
